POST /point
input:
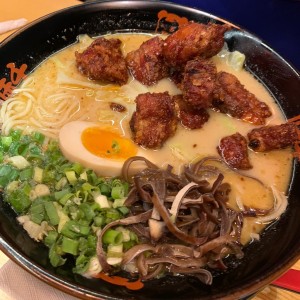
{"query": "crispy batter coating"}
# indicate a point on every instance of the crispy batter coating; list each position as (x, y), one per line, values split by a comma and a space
(231, 97)
(176, 75)
(198, 84)
(269, 138)
(234, 151)
(147, 64)
(103, 60)
(154, 120)
(192, 40)
(189, 117)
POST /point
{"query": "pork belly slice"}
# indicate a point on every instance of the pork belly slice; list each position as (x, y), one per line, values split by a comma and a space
(192, 40)
(154, 120)
(231, 97)
(233, 149)
(103, 60)
(147, 64)
(274, 137)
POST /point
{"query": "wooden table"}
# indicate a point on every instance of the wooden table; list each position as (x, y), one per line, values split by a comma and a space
(33, 9)
(274, 293)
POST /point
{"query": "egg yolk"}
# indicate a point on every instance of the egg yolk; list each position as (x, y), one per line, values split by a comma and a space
(107, 144)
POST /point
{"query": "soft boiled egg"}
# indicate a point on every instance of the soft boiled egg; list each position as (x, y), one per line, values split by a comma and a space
(96, 147)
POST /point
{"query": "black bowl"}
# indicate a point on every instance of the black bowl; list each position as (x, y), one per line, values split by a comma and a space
(264, 261)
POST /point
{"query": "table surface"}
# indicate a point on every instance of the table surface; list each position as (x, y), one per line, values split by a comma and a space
(279, 33)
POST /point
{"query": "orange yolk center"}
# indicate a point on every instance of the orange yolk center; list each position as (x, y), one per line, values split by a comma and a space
(107, 144)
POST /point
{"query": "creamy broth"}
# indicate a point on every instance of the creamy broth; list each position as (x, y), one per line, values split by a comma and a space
(58, 75)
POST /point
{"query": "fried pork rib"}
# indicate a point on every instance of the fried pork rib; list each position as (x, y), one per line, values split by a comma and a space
(191, 118)
(147, 63)
(234, 151)
(231, 97)
(192, 40)
(103, 60)
(198, 83)
(272, 137)
(154, 120)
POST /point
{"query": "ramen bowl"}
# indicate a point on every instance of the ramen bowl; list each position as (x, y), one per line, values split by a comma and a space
(265, 260)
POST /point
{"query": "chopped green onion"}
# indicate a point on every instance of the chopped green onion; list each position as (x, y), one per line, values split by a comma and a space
(37, 211)
(5, 170)
(73, 229)
(124, 210)
(60, 194)
(51, 238)
(70, 245)
(87, 211)
(15, 134)
(82, 263)
(34, 151)
(12, 186)
(112, 236)
(7, 174)
(26, 174)
(102, 201)
(77, 168)
(92, 241)
(82, 244)
(118, 192)
(55, 259)
(62, 201)
(52, 213)
(128, 245)
(63, 218)
(21, 149)
(19, 200)
(19, 162)
(49, 174)
(99, 221)
(83, 176)
(114, 254)
(71, 176)
(112, 214)
(105, 189)
(38, 174)
(118, 202)
(125, 233)
(6, 142)
(38, 137)
(62, 182)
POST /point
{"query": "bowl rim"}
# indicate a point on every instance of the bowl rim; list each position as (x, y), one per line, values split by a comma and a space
(86, 293)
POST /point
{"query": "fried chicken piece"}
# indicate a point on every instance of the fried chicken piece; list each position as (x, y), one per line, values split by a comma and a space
(154, 120)
(147, 64)
(231, 97)
(189, 117)
(192, 40)
(176, 75)
(198, 84)
(269, 138)
(234, 151)
(103, 60)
